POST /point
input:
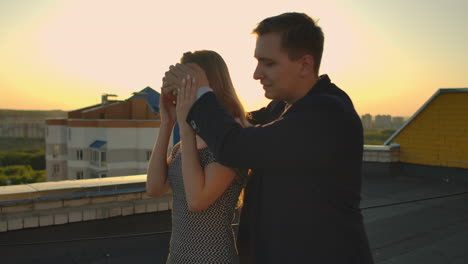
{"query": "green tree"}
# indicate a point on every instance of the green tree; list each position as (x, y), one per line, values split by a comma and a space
(377, 136)
(20, 174)
(35, 159)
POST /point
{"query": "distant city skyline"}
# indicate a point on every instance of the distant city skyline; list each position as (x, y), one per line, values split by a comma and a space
(389, 56)
(55, 115)
(382, 121)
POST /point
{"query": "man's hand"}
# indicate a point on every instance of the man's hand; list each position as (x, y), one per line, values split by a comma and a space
(198, 74)
(173, 78)
(171, 82)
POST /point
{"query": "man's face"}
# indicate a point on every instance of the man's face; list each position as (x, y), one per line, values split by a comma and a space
(277, 73)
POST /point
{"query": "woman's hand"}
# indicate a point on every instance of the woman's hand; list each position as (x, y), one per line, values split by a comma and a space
(167, 110)
(185, 98)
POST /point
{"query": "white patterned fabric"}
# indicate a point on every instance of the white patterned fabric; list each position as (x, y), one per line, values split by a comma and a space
(206, 236)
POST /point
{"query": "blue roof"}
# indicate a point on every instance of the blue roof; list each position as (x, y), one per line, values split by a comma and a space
(97, 144)
(152, 98)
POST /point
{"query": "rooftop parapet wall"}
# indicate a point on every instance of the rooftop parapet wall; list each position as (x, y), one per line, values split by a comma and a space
(381, 153)
(107, 123)
(62, 202)
(55, 203)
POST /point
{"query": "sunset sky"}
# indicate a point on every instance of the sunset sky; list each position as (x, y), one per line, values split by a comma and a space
(389, 56)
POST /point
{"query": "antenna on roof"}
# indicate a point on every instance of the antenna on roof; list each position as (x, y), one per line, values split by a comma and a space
(104, 98)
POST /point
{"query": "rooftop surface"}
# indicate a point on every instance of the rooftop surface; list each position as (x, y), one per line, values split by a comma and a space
(403, 226)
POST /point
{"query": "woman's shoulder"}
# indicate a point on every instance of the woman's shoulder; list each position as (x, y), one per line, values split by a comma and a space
(206, 156)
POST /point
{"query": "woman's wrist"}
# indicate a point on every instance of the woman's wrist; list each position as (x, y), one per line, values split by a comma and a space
(168, 124)
(186, 131)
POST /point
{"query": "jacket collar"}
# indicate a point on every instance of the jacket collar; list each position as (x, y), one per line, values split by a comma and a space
(322, 85)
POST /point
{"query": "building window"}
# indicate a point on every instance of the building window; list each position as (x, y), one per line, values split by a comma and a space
(56, 168)
(99, 158)
(69, 133)
(148, 155)
(94, 156)
(55, 151)
(79, 175)
(103, 159)
(79, 154)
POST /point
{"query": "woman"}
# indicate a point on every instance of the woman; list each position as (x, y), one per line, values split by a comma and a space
(205, 193)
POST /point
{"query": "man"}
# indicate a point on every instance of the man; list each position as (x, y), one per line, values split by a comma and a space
(302, 201)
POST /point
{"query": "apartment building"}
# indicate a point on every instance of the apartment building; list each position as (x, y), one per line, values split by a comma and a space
(13, 128)
(113, 138)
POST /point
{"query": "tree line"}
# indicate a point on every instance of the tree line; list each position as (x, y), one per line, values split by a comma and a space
(22, 161)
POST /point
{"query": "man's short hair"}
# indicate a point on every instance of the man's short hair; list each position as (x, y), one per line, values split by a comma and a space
(300, 35)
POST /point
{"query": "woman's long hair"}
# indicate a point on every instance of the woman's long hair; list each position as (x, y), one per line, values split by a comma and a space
(220, 81)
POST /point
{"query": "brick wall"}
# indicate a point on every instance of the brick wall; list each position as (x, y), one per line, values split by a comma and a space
(438, 136)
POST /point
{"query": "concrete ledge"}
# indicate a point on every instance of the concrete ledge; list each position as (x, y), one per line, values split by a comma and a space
(56, 203)
(381, 153)
(47, 190)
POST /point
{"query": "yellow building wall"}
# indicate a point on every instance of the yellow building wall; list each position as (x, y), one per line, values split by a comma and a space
(438, 136)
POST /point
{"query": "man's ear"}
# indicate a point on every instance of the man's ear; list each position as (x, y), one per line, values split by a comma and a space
(307, 65)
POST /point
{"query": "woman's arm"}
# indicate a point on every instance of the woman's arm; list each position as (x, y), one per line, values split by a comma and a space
(202, 186)
(156, 181)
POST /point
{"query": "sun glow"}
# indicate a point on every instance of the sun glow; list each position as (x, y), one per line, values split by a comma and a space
(65, 55)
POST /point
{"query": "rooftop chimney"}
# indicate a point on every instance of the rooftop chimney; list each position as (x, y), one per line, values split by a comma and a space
(104, 98)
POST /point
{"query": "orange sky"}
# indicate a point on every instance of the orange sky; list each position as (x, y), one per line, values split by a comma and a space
(389, 56)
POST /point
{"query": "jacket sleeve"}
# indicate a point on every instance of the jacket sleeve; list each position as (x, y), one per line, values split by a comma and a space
(305, 136)
(263, 115)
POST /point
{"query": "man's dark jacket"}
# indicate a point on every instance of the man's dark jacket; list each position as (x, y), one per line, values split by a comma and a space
(301, 204)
